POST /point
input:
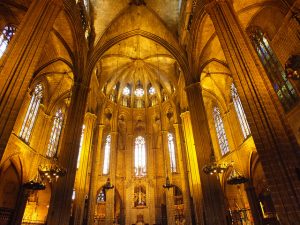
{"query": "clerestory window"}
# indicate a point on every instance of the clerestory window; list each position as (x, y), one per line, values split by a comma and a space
(55, 134)
(172, 153)
(106, 155)
(7, 33)
(222, 139)
(31, 113)
(282, 86)
(240, 112)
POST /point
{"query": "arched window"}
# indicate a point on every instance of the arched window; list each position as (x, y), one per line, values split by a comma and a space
(106, 155)
(55, 134)
(282, 86)
(223, 142)
(172, 152)
(140, 157)
(31, 113)
(240, 111)
(80, 145)
(7, 33)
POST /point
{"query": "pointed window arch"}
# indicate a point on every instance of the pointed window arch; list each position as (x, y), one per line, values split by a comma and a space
(222, 139)
(80, 145)
(282, 86)
(140, 157)
(106, 155)
(7, 33)
(172, 153)
(55, 134)
(240, 112)
(31, 113)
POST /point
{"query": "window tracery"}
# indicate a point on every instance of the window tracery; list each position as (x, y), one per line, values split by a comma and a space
(221, 134)
(172, 152)
(55, 134)
(140, 157)
(240, 111)
(282, 86)
(106, 155)
(7, 33)
(31, 113)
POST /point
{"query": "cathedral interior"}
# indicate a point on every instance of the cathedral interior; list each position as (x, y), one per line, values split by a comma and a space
(155, 112)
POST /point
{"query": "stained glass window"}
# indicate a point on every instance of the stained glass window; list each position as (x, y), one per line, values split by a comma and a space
(223, 142)
(101, 197)
(106, 155)
(282, 86)
(140, 157)
(86, 4)
(126, 91)
(151, 90)
(240, 111)
(172, 152)
(7, 33)
(31, 113)
(80, 146)
(55, 134)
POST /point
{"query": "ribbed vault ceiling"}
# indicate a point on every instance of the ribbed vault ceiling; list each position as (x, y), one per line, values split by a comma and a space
(138, 59)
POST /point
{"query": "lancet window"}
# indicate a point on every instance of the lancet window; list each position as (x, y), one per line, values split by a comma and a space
(240, 111)
(221, 134)
(140, 157)
(55, 134)
(172, 152)
(31, 113)
(106, 155)
(7, 33)
(80, 146)
(282, 86)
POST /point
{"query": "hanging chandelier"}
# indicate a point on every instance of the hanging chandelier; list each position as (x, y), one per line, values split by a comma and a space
(168, 183)
(108, 185)
(35, 184)
(213, 167)
(51, 171)
(236, 178)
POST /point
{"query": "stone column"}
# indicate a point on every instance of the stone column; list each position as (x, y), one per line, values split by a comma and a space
(20, 209)
(81, 184)
(60, 206)
(212, 196)
(183, 174)
(94, 173)
(192, 166)
(110, 194)
(20, 60)
(254, 205)
(274, 140)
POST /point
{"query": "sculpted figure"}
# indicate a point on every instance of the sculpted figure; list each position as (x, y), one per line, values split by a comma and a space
(122, 132)
(156, 132)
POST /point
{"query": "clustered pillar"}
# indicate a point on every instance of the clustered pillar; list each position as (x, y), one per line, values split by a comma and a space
(20, 60)
(212, 196)
(274, 140)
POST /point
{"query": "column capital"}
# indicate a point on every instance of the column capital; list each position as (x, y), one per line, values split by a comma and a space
(184, 114)
(89, 115)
